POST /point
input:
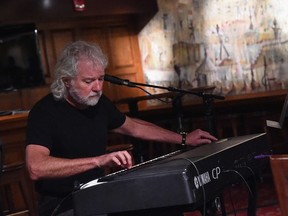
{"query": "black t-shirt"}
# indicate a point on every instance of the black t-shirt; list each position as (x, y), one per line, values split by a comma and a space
(71, 133)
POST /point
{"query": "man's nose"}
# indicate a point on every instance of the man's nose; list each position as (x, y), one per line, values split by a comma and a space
(97, 86)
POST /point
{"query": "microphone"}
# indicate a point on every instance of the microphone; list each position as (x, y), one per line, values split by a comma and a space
(118, 81)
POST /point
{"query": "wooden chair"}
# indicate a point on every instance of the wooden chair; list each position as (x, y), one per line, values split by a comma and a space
(1, 208)
(279, 166)
(13, 176)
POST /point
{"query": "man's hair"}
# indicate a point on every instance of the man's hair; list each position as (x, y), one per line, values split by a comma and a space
(66, 66)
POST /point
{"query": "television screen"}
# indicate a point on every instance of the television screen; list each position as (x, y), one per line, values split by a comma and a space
(20, 64)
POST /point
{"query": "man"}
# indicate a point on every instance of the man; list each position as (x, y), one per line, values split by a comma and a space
(67, 130)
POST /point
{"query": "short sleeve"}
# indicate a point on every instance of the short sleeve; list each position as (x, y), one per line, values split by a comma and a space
(116, 117)
(39, 128)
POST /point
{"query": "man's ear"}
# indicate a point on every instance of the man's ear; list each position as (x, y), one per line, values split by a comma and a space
(66, 82)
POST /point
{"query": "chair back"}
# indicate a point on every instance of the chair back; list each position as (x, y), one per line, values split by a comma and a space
(1, 157)
(1, 166)
(279, 166)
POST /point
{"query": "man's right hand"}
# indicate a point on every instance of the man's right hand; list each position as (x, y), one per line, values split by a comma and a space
(115, 159)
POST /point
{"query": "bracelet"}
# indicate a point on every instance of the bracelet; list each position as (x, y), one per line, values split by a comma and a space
(183, 134)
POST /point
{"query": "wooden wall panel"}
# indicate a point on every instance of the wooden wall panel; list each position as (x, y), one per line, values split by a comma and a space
(119, 41)
(31, 96)
(121, 44)
(51, 43)
(60, 38)
(13, 137)
(127, 92)
(14, 140)
(96, 35)
(10, 99)
(125, 60)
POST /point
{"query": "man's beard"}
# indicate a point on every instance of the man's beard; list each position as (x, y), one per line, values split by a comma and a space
(90, 100)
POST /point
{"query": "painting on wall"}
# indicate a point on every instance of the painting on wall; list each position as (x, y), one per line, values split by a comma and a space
(236, 46)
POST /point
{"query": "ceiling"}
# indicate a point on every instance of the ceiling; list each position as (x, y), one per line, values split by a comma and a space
(18, 11)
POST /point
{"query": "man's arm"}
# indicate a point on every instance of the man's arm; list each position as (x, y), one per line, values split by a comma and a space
(41, 165)
(148, 131)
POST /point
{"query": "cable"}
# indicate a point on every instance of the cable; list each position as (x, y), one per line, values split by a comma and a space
(226, 171)
(232, 203)
(59, 205)
(252, 195)
(254, 177)
(244, 180)
(251, 170)
(147, 92)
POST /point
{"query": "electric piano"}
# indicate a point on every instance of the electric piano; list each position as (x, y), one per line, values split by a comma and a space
(189, 178)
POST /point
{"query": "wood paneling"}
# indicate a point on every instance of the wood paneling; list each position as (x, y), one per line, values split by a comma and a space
(96, 34)
(13, 138)
(121, 43)
(117, 37)
(10, 100)
(60, 38)
(32, 96)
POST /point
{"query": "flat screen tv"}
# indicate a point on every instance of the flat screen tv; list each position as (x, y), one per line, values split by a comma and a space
(20, 62)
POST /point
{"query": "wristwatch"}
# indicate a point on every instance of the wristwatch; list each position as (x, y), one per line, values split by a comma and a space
(183, 134)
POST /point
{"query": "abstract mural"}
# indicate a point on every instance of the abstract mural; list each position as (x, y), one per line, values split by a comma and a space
(237, 46)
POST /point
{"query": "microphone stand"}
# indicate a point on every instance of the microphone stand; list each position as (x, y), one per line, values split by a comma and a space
(173, 89)
(208, 100)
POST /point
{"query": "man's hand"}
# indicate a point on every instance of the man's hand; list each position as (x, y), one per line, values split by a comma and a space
(199, 137)
(115, 159)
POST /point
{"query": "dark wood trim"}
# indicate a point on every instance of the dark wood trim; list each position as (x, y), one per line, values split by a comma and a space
(193, 105)
(38, 11)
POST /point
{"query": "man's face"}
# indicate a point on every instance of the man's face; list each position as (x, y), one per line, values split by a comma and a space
(85, 88)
